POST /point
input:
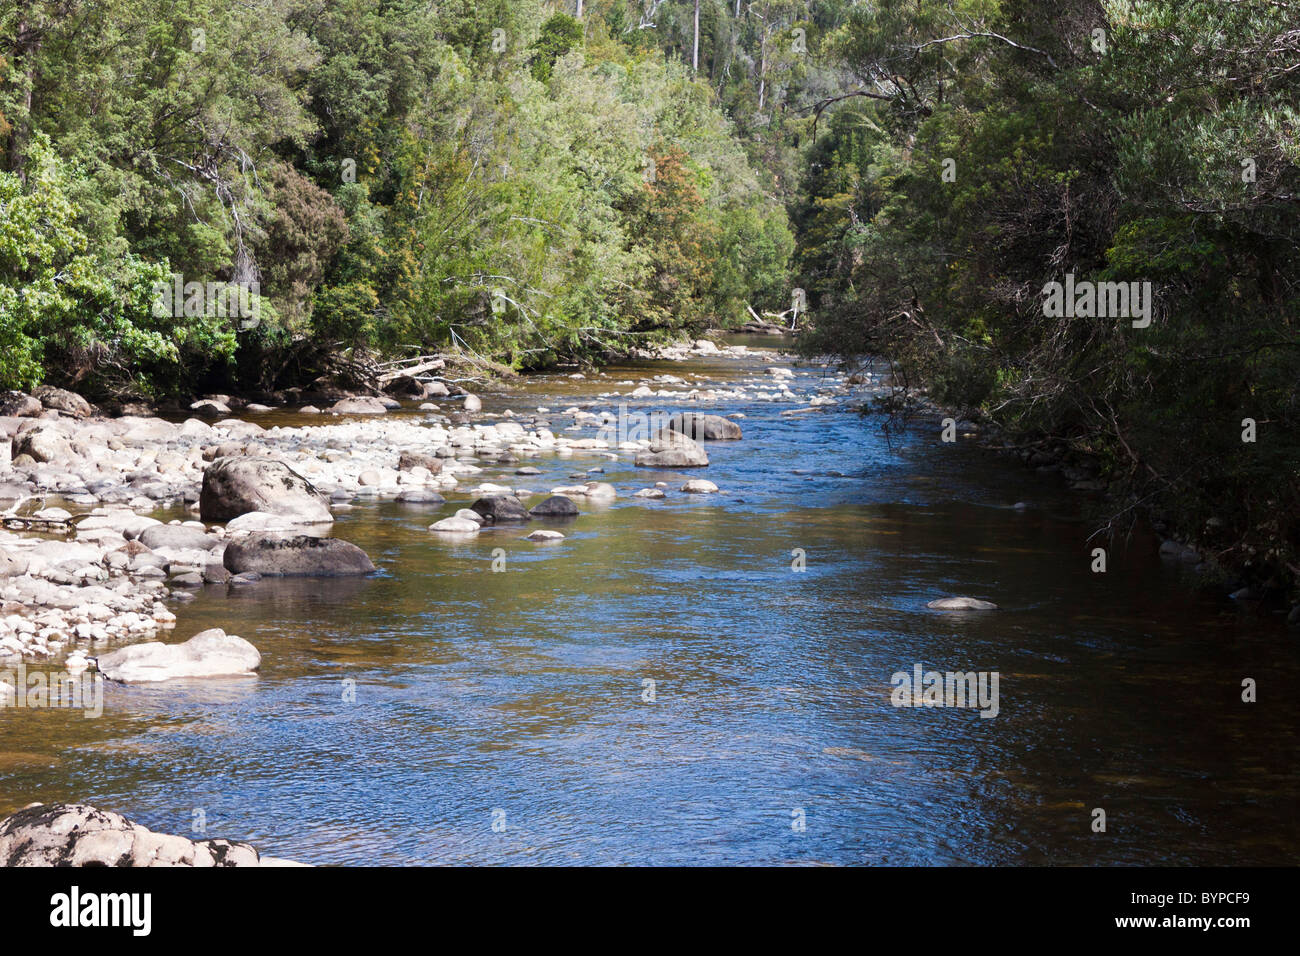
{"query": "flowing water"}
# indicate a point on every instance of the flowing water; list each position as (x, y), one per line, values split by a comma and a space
(518, 697)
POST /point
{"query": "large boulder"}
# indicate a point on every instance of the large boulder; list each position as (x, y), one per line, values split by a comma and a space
(670, 449)
(501, 509)
(273, 554)
(361, 405)
(236, 486)
(177, 536)
(45, 443)
(418, 459)
(62, 400)
(74, 834)
(210, 653)
(556, 506)
(12, 563)
(19, 404)
(707, 427)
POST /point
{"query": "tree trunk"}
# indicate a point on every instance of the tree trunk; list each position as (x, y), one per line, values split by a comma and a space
(695, 51)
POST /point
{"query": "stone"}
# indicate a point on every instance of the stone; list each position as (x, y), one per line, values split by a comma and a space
(210, 653)
(237, 486)
(473, 403)
(409, 460)
(649, 493)
(670, 449)
(556, 506)
(71, 834)
(545, 535)
(455, 525)
(699, 486)
(961, 604)
(44, 443)
(19, 404)
(12, 563)
(273, 554)
(361, 405)
(420, 496)
(177, 536)
(501, 509)
(707, 427)
(63, 400)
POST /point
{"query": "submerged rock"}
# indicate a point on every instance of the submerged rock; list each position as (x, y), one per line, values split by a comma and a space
(75, 834)
(961, 604)
(277, 554)
(211, 653)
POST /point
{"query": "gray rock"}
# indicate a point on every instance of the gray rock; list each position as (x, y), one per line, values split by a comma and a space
(12, 563)
(177, 536)
(501, 509)
(273, 554)
(362, 405)
(236, 486)
(210, 653)
(708, 427)
(670, 449)
(556, 506)
(19, 404)
(416, 459)
(71, 834)
(64, 401)
(420, 496)
(961, 604)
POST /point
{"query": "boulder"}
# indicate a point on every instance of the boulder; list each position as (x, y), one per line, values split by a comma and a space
(420, 496)
(455, 525)
(961, 604)
(19, 404)
(236, 486)
(210, 653)
(362, 405)
(556, 506)
(473, 403)
(44, 444)
(670, 449)
(12, 563)
(177, 536)
(699, 486)
(543, 535)
(73, 834)
(273, 554)
(417, 459)
(707, 427)
(64, 401)
(259, 521)
(500, 509)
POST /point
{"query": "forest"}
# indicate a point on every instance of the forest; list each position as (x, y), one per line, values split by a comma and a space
(538, 183)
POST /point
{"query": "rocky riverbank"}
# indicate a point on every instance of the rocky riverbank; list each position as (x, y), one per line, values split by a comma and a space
(118, 567)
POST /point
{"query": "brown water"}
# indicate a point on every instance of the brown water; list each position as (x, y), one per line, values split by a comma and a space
(522, 690)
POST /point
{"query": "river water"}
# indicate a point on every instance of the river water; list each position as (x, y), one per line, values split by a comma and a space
(502, 716)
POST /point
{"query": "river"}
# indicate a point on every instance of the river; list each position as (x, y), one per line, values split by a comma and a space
(443, 712)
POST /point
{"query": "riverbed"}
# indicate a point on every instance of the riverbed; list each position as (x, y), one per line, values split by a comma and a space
(706, 679)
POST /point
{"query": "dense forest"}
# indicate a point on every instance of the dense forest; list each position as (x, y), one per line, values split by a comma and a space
(541, 182)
